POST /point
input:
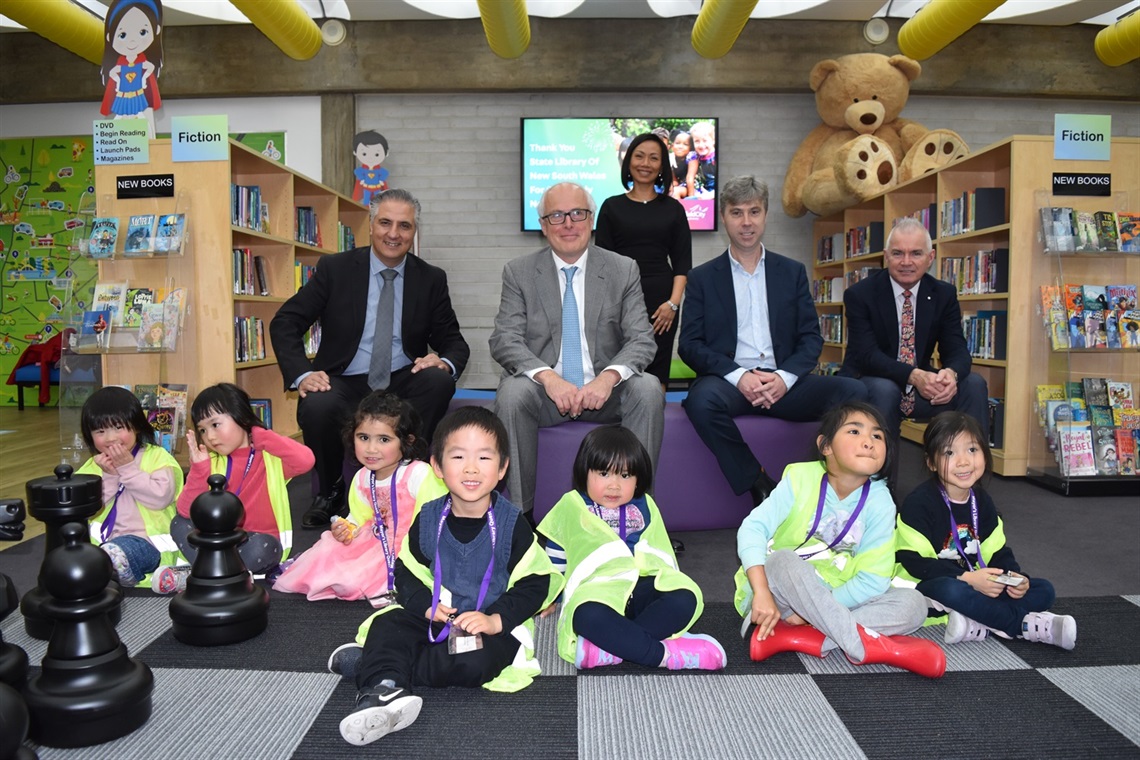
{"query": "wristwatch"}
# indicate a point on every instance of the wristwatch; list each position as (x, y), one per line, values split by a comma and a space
(672, 305)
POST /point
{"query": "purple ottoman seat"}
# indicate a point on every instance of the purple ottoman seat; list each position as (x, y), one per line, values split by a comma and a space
(690, 489)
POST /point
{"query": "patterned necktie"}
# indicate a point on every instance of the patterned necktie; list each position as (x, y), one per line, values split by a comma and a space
(906, 349)
(380, 369)
(571, 334)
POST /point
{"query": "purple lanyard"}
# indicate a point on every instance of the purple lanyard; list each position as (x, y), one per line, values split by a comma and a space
(248, 464)
(597, 510)
(954, 527)
(379, 529)
(109, 523)
(819, 515)
(437, 573)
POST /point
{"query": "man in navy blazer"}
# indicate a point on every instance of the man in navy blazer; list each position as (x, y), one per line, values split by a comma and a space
(873, 309)
(751, 333)
(428, 349)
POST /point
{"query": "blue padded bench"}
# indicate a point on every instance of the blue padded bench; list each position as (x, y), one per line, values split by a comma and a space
(29, 377)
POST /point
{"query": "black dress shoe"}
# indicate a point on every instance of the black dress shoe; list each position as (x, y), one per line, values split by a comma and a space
(761, 489)
(678, 547)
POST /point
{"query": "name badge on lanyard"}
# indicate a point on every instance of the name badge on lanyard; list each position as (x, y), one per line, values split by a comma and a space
(458, 640)
(380, 531)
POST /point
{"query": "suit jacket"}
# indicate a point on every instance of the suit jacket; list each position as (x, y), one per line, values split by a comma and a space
(528, 327)
(709, 329)
(337, 295)
(873, 329)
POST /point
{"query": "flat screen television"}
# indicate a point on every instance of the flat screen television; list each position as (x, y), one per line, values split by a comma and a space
(590, 151)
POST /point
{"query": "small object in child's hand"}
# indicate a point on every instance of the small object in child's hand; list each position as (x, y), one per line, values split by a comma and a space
(459, 641)
(1009, 579)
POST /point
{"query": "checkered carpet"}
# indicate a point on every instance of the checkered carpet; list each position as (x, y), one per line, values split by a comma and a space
(271, 697)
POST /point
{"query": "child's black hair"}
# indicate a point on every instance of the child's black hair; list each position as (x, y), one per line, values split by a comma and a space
(836, 417)
(941, 432)
(613, 448)
(225, 398)
(471, 416)
(399, 414)
(114, 407)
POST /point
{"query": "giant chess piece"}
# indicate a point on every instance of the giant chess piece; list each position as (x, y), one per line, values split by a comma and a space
(56, 501)
(12, 519)
(221, 604)
(13, 725)
(89, 690)
(13, 659)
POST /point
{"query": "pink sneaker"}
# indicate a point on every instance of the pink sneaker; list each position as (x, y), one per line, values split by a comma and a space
(169, 580)
(694, 651)
(590, 656)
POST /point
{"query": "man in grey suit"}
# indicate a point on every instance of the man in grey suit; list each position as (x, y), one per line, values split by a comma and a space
(593, 369)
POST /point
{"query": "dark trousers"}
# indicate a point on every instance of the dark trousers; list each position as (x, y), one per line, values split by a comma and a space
(397, 649)
(713, 402)
(1002, 613)
(322, 416)
(260, 552)
(650, 617)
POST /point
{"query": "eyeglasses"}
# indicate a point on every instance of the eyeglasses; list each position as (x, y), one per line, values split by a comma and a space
(917, 255)
(575, 215)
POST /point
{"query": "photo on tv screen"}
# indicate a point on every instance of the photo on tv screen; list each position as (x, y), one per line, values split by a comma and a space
(590, 152)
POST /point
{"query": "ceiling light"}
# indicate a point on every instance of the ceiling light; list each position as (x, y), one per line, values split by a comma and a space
(876, 31)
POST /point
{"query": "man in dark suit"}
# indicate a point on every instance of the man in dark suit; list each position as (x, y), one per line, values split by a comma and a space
(898, 372)
(418, 357)
(751, 333)
(553, 373)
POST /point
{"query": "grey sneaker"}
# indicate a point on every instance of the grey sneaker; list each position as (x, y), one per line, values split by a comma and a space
(345, 659)
(961, 628)
(121, 564)
(1048, 628)
(380, 710)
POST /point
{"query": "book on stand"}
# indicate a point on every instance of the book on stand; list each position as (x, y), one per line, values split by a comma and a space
(111, 296)
(104, 235)
(1128, 227)
(95, 329)
(1107, 233)
(140, 235)
(137, 298)
(169, 234)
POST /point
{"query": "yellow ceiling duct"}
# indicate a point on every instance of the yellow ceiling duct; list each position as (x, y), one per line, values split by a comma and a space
(1118, 44)
(506, 25)
(61, 21)
(718, 25)
(939, 23)
(285, 23)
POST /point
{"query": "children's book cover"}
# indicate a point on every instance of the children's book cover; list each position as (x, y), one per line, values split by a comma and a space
(1074, 309)
(94, 331)
(147, 394)
(1054, 316)
(1119, 394)
(1106, 231)
(1096, 391)
(169, 234)
(137, 298)
(1128, 226)
(1121, 297)
(1130, 328)
(1126, 418)
(1077, 452)
(140, 235)
(174, 306)
(1125, 452)
(1104, 439)
(1046, 393)
(152, 328)
(1095, 297)
(111, 296)
(1087, 241)
(104, 235)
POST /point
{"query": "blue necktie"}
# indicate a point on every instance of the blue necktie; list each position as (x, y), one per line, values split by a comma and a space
(571, 334)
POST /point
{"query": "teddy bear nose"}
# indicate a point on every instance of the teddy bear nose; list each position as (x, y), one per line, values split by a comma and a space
(868, 118)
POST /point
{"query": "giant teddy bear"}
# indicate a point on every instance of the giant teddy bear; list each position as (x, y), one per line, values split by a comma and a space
(862, 147)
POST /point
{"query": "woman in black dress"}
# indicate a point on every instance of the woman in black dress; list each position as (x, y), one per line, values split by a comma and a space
(650, 227)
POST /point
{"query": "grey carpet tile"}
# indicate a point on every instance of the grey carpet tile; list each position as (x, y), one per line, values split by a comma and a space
(1111, 691)
(546, 648)
(1134, 598)
(236, 714)
(707, 715)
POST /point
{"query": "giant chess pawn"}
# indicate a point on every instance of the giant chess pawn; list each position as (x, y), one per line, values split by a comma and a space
(56, 501)
(221, 604)
(89, 690)
(13, 659)
(13, 725)
(12, 519)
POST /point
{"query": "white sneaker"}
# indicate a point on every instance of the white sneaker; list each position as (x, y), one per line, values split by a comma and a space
(961, 628)
(170, 580)
(379, 712)
(1048, 628)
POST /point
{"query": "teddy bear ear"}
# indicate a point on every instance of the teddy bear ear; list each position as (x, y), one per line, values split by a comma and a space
(908, 66)
(821, 71)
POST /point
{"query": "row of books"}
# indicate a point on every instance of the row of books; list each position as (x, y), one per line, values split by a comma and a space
(249, 273)
(1091, 316)
(139, 318)
(831, 327)
(985, 334)
(146, 234)
(974, 210)
(827, 290)
(864, 240)
(855, 275)
(345, 238)
(247, 209)
(1066, 230)
(984, 272)
(263, 408)
(1092, 426)
(925, 215)
(830, 248)
(249, 339)
(302, 273)
(308, 227)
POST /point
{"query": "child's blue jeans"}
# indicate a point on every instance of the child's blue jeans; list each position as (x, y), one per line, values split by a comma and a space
(141, 554)
(1002, 613)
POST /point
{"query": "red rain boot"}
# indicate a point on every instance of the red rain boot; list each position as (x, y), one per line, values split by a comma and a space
(907, 652)
(787, 638)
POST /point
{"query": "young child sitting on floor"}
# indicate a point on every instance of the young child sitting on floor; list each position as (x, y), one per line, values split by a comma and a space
(818, 555)
(632, 603)
(469, 579)
(951, 539)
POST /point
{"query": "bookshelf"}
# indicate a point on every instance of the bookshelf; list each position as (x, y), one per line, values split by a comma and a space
(1020, 167)
(207, 348)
